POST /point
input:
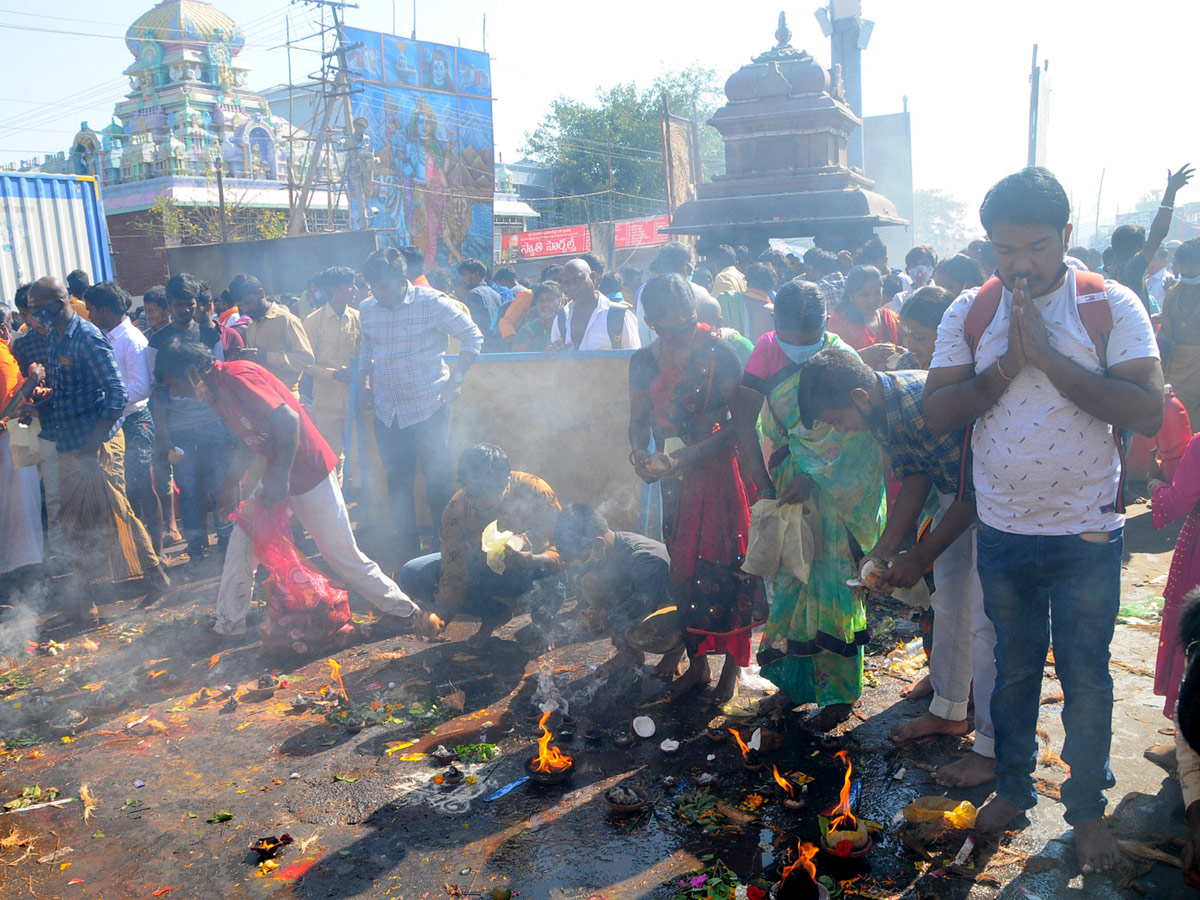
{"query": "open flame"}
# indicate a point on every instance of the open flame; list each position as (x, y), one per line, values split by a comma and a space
(784, 783)
(153, 675)
(335, 672)
(216, 658)
(804, 860)
(841, 812)
(550, 759)
(742, 744)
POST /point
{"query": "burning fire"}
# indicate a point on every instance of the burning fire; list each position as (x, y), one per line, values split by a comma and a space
(804, 860)
(550, 759)
(783, 782)
(742, 744)
(153, 675)
(841, 812)
(335, 671)
(216, 657)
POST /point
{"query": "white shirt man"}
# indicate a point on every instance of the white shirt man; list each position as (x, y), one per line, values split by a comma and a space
(596, 336)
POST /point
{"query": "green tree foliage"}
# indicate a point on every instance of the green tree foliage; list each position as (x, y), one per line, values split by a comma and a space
(616, 142)
(941, 220)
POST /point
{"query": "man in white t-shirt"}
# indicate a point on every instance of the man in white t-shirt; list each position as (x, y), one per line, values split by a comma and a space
(589, 318)
(1048, 489)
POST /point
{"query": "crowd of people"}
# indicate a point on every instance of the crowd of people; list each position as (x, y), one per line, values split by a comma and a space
(962, 422)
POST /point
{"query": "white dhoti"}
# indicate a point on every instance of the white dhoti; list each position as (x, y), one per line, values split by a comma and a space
(20, 512)
(322, 512)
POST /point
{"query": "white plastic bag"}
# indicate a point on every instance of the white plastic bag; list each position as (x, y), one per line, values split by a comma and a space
(782, 538)
(26, 448)
(494, 541)
(764, 543)
(799, 539)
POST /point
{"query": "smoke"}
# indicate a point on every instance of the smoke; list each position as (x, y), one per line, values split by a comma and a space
(20, 626)
(548, 697)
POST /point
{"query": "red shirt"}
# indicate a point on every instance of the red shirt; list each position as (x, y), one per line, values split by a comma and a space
(860, 336)
(246, 395)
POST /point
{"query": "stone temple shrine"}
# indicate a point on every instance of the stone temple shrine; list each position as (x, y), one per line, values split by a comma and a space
(785, 126)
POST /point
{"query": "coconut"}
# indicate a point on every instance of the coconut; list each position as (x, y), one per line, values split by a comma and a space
(643, 726)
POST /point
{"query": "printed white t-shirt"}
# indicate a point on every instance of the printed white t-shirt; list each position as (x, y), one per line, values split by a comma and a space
(1042, 464)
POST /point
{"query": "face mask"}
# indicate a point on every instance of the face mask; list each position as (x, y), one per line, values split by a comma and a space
(800, 353)
(46, 316)
(1190, 282)
(921, 273)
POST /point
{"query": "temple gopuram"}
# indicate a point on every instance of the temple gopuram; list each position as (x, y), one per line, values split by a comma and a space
(188, 114)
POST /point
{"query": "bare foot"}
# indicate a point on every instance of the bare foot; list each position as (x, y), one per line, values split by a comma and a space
(625, 659)
(1095, 847)
(829, 717)
(1162, 755)
(781, 701)
(996, 815)
(670, 666)
(926, 725)
(697, 674)
(973, 769)
(922, 688)
(728, 684)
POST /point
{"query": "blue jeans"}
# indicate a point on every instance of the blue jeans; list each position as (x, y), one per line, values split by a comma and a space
(207, 453)
(399, 450)
(486, 591)
(1030, 582)
(139, 488)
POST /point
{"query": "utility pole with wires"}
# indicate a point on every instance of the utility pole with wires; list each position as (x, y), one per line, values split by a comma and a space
(322, 155)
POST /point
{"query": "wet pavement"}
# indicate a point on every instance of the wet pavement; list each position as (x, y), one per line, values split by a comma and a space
(181, 784)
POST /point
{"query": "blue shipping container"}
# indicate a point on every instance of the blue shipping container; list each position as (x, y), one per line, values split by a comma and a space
(50, 225)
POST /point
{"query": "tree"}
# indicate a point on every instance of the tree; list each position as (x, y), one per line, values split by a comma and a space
(178, 224)
(940, 220)
(616, 144)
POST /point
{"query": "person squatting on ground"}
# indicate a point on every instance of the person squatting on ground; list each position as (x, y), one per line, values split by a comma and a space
(299, 469)
(1017, 359)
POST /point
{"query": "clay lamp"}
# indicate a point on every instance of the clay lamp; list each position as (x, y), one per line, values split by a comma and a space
(263, 689)
(355, 724)
(799, 881)
(622, 739)
(452, 776)
(267, 847)
(625, 800)
(593, 735)
(847, 835)
(550, 765)
(443, 756)
(751, 756)
(792, 799)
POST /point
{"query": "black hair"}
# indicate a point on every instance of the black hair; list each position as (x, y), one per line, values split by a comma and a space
(185, 287)
(595, 261)
(703, 276)
(826, 381)
(548, 287)
(962, 269)
(78, 282)
(440, 279)
(1079, 252)
(205, 297)
(21, 297)
(1188, 706)
(892, 285)
(988, 254)
(576, 527)
(155, 296)
(822, 261)
(474, 266)
(337, 277)
(242, 285)
(800, 306)
(1127, 240)
(1032, 196)
(505, 276)
(386, 263)
(775, 259)
(762, 276)
(1188, 253)
(855, 280)
(873, 249)
(671, 256)
(180, 352)
(722, 257)
(610, 283)
(743, 255)
(108, 295)
(632, 278)
(927, 305)
(551, 272)
(665, 295)
(414, 260)
(919, 252)
(483, 468)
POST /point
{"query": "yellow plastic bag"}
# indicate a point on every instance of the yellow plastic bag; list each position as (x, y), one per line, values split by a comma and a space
(933, 809)
(494, 541)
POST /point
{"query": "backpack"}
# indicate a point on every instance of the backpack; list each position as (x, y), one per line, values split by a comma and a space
(615, 323)
(1095, 313)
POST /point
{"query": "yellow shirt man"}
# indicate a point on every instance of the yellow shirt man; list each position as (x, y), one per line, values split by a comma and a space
(334, 339)
(284, 348)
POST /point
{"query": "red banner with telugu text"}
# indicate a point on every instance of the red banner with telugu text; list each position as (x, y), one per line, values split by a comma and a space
(633, 233)
(547, 242)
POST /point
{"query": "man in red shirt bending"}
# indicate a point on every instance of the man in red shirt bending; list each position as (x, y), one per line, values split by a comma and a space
(300, 470)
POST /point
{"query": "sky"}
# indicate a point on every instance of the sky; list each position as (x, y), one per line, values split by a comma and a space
(1120, 81)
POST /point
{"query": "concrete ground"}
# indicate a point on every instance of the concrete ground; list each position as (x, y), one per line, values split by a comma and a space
(368, 820)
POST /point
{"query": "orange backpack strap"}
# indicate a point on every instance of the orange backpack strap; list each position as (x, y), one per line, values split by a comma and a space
(982, 311)
(1091, 299)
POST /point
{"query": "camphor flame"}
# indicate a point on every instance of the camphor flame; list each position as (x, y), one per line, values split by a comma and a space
(335, 672)
(804, 860)
(841, 812)
(216, 657)
(783, 782)
(550, 759)
(153, 675)
(737, 737)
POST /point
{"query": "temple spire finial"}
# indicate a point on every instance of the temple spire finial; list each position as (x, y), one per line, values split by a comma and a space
(783, 34)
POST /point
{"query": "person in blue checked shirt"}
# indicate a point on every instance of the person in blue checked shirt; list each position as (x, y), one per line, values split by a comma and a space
(838, 388)
(107, 542)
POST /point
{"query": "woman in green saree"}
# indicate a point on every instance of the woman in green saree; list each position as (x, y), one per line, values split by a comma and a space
(812, 645)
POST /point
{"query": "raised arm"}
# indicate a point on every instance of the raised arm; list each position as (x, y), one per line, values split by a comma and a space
(1162, 219)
